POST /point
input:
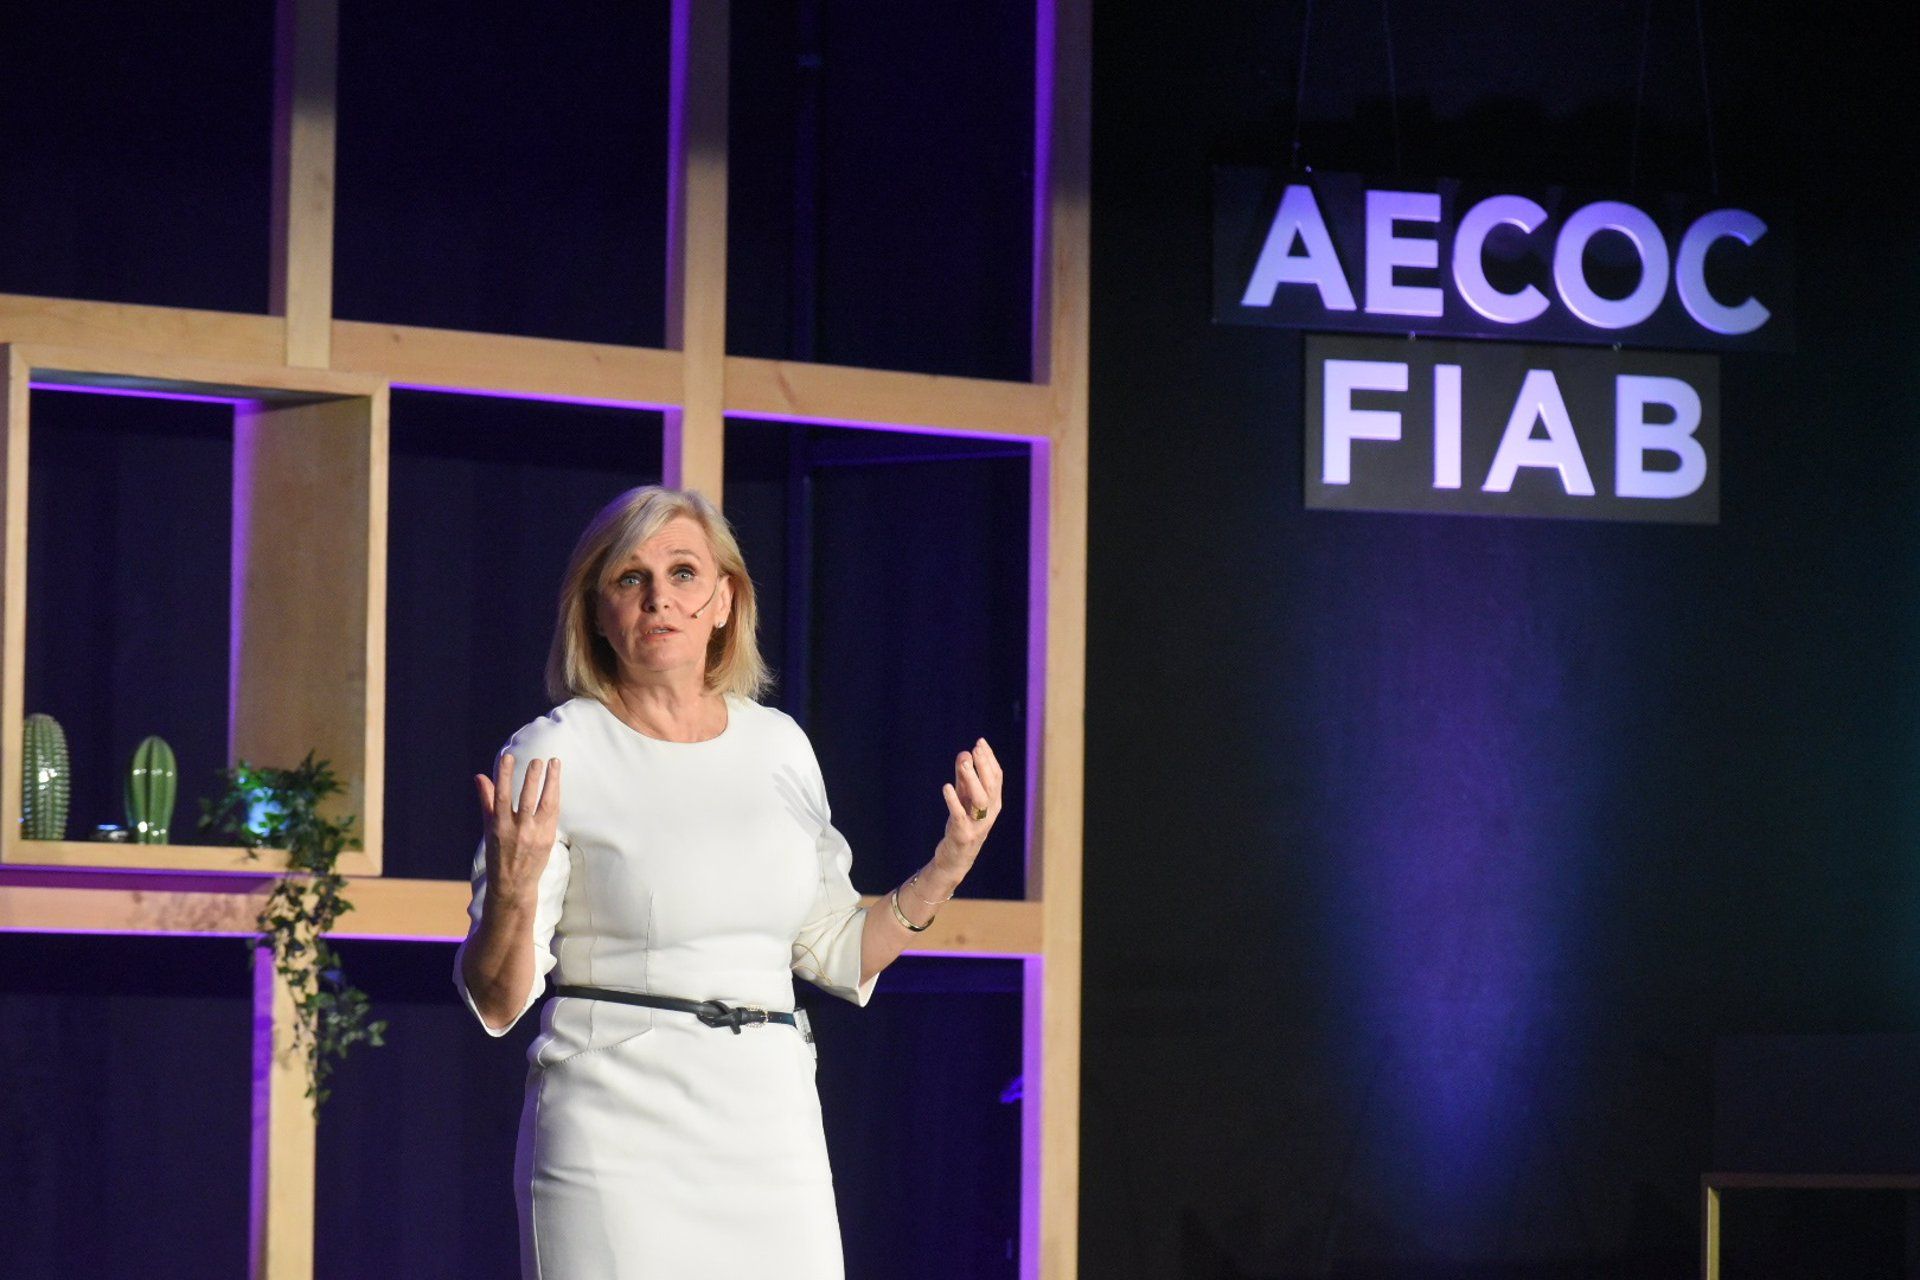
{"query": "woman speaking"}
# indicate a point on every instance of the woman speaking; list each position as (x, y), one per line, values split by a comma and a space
(660, 843)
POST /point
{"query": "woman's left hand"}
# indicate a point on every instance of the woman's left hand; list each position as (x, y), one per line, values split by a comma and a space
(973, 802)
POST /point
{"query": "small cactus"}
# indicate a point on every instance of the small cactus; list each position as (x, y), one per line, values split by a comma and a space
(47, 781)
(153, 781)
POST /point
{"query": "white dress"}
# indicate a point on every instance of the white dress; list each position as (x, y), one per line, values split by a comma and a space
(652, 1146)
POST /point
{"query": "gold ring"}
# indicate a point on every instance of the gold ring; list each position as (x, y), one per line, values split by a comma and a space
(979, 814)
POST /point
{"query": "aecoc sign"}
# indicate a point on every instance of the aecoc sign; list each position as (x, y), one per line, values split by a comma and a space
(1506, 429)
(1332, 251)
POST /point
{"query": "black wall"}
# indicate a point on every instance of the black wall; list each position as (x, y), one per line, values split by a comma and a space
(1428, 858)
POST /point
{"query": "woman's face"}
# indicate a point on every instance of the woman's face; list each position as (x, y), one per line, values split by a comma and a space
(646, 604)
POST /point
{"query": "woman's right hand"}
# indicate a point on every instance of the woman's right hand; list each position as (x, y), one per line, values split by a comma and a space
(519, 838)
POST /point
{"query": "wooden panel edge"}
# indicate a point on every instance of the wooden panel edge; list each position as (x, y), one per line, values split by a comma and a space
(13, 569)
(189, 372)
(383, 907)
(1051, 1218)
(304, 535)
(374, 713)
(132, 327)
(300, 273)
(453, 360)
(790, 390)
(284, 1133)
(87, 855)
(694, 442)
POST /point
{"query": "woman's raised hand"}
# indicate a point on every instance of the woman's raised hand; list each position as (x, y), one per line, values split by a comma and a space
(519, 838)
(973, 802)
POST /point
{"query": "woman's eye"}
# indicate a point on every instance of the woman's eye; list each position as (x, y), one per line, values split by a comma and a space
(628, 579)
(684, 574)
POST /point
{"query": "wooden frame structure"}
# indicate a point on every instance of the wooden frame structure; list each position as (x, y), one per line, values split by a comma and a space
(1713, 1184)
(311, 390)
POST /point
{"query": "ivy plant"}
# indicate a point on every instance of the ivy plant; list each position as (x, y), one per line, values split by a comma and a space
(280, 809)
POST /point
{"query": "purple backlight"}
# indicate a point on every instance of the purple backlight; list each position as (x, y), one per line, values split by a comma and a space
(901, 428)
(142, 393)
(594, 402)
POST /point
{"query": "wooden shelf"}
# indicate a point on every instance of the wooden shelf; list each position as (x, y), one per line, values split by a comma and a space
(165, 857)
(72, 899)
(308, 587)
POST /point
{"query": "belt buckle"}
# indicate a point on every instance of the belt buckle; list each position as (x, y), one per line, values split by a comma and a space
(754, 1017)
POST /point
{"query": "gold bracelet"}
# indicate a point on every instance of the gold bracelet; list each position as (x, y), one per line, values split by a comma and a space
(893, 900)
(929, 901)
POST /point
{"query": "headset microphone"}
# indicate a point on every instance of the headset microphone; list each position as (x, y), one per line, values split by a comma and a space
(709, 599)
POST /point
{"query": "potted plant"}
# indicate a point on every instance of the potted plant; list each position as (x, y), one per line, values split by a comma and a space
(280, 808)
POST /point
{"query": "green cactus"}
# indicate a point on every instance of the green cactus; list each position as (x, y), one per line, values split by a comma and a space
(152, 783)
(47, 781)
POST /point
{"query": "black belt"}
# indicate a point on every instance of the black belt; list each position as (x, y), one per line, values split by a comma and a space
(711, 1012)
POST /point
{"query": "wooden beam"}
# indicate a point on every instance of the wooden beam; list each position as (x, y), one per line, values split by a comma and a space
(792, 391)
(119, 336)
(280, 1238)
(128, 902)
(980, 927)
(1050, 1202)
(504, 365)
(695, 437)
(1709, 1231)
(309, 573)
(13, 585)
(370, 804)
(166, 371)
(166, 857)
(125, 327)
(300, 272)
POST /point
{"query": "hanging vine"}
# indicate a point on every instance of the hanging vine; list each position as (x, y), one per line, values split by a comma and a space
(280, 808)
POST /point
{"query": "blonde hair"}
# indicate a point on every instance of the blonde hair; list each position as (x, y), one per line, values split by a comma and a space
(580, 662)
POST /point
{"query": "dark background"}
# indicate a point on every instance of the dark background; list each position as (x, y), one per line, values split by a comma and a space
(1429, 860)
(1489, 829)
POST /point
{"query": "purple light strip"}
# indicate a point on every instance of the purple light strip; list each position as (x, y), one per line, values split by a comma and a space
(23, 873)
(246, 432)
(1039, 533)
(898, 428)
(448, 939)
(139, 393)
(141, 933)
(680, 41)
(259, 1160)
(1045, 45)
(594, 402)
(1033, 1007)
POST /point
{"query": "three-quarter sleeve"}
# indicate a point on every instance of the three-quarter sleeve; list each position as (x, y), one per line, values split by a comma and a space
(827, 950)
(552, 896)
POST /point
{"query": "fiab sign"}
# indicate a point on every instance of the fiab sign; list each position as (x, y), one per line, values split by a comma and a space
(1485, 428)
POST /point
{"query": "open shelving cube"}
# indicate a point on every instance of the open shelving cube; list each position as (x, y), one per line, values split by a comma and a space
(469, 592)
(951, 511)
(307, 610)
